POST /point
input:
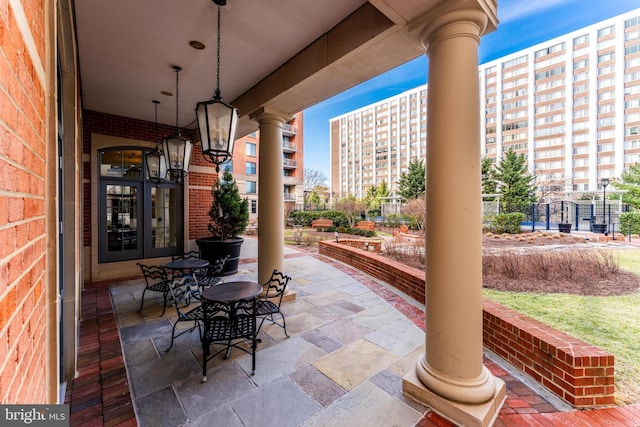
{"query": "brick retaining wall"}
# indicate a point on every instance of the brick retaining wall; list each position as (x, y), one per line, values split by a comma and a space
(365, 245)
(577, 372)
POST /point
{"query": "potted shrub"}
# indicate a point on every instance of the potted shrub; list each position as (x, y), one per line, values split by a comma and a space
(229, 216)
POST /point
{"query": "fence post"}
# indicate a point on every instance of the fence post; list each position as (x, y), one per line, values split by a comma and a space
(533, 217)
(548, 213)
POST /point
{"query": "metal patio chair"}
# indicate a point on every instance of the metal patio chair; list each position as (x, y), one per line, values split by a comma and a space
(231, 325)
(181, 294)
(156, 280)
(269, 303)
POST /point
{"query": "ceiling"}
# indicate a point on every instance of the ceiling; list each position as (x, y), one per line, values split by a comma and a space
(280, 54)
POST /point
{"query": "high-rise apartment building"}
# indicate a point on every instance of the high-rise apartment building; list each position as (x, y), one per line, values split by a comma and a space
(245, 167)
(570, 104)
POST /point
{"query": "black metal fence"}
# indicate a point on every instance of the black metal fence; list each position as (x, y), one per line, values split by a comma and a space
(574, 216)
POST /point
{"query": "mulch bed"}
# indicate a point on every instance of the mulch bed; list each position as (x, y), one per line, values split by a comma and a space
(621, 283)
(617, 283)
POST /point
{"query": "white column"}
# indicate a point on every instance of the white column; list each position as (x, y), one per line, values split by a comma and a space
(270, 193)
(453, 378)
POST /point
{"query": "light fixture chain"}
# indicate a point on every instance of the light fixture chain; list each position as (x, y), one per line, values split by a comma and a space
(177, 88)
(218, 57)
(155, 103)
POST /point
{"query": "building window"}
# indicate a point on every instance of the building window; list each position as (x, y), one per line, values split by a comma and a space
(251, 187)
(250, 168)
(250, 149)
(254, 206)
(227, 167)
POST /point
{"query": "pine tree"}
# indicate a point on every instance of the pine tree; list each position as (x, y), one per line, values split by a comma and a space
(229, 212)
(489, 184)
(515, 184)
(630, 181)
(375, 195)
(411, 184)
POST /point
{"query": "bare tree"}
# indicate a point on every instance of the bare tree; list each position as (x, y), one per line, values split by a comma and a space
(416, 210)
(351, 207)
(550, 189)
(313, 178)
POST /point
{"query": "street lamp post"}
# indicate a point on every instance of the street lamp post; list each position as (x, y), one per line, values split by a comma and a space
(604, 182)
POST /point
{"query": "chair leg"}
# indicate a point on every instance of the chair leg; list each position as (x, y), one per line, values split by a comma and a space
(205, 356)
(142, 302)
(284, 325)
(164, 306)
(173, 332)
(253, 356)
(173, 335)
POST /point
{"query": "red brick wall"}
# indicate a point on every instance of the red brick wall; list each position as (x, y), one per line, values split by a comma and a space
(369, 245)
(23, 157)
(579, 373)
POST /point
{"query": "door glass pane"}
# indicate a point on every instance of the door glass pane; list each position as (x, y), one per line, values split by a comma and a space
(121, 163)
(164, 225)
(121, 218)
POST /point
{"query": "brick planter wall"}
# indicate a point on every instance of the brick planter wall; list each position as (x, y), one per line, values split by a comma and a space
(373, 245)
(578, 373)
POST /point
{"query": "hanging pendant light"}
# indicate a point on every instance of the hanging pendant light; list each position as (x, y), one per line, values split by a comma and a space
(217, 120)
(177, 149)
(156, 164)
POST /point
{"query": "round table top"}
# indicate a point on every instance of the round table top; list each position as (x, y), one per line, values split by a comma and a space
(187, 264)
(232, 291)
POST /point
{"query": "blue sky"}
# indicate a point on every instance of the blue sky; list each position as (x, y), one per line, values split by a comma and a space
(523, 23)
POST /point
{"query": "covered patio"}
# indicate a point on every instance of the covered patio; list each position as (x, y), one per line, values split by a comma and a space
(353, 338)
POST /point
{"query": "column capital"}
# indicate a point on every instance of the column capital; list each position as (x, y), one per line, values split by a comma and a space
(274, 116)
(464, 22)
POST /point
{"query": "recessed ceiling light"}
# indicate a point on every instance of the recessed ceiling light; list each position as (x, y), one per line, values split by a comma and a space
(166, 93)
(196, 44)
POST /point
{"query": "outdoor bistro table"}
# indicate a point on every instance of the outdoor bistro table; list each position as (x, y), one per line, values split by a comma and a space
(231, 292)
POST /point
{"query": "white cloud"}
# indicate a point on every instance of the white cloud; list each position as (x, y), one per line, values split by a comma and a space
(511, 10)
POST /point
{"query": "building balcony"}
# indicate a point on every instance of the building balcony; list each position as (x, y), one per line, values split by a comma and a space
(289, 147)
(290, 180)
(289, 197)
(289, 163)
(288, 130)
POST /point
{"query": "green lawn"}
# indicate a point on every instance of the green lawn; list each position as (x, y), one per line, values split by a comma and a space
(611, 323)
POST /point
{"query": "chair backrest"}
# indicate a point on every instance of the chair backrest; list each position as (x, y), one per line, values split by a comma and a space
(216, 318)
(186, 255)
(153, 274)
(244, 320)
(276, 285)
(214, 269)
(181, 294)
(223, 321)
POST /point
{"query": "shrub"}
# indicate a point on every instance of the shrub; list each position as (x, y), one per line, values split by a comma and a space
(507, 223)
(630, 222)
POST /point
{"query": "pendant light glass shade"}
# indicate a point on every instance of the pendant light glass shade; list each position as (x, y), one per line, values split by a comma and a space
(177, 152)
(156, 163)
(177, 149)
(217, 123)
